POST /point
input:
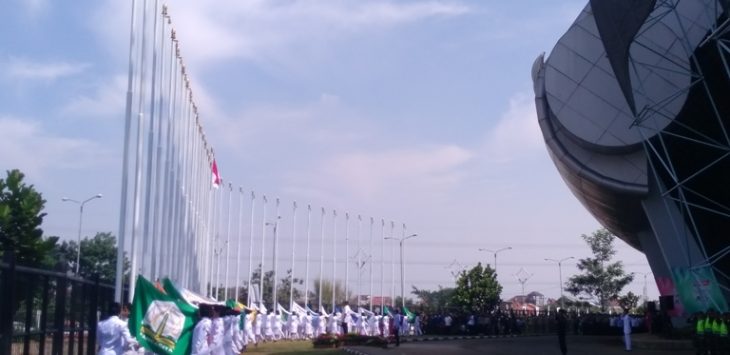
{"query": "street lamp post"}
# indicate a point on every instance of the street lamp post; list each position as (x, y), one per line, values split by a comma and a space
(495, 254)
(81, 217)
(275, 226)
(560, 273)
(402, 266)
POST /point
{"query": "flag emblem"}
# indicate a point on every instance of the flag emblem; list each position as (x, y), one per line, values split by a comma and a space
(163, 323)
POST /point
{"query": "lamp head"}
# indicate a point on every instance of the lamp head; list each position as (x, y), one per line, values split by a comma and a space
(99, 196)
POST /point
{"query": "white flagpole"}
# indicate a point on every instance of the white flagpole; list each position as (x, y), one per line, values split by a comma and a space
(250, 251)
(138, 162)
(148, 191)
(218, 242)
(334, 259)
(121, 238)
(359, 258)
(207, 235)
(159, 170)
(293, 253)
(321, 262)
(185, 192)
(178, 116)
(240, 241)
(382, 265)
(306, 263)
(263, 242)
(347, 256)
(371, 263)
(275, 258)
(214, 242)
(167, 201)
(392, 268)
(402, 267)
(228, 242)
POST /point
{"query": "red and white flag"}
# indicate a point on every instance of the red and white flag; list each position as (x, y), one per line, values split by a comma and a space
(216, 177)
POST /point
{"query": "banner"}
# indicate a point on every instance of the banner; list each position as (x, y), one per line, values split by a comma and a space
(698, 290)
(162, 324)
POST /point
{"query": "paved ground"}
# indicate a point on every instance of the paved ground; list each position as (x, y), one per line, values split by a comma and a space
(542, 345)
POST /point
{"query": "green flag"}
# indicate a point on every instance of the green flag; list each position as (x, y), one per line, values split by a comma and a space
(386, 311)
(172, 291)
(162, 323)
(411, 316)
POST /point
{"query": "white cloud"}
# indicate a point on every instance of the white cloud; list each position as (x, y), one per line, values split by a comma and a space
(371, 175)
(26, 146)
(20, 68)
(107, 101)
(517, 133)
(270, 30)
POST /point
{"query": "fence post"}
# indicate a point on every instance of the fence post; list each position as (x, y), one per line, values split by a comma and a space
(93, 307)
(7, 302)
(59, 317)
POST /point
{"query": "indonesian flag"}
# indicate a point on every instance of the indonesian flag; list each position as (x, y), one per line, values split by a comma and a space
(216, 177)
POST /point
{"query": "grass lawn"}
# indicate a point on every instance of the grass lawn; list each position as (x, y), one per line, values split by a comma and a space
(291, 347)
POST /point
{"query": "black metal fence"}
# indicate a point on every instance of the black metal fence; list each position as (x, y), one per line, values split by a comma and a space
(49, 312)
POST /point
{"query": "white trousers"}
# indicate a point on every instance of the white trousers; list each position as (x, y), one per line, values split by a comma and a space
(627, 340)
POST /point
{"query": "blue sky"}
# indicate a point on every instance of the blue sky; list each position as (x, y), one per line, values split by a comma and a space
(420, 112)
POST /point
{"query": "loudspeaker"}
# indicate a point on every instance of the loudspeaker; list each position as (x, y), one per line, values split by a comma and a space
(651, 307)
(666, 303)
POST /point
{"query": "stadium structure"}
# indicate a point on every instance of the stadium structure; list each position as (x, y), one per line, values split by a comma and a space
(634, 105)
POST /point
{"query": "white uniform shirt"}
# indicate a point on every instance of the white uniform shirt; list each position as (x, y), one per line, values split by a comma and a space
(111, 336)
(308, 329)
(202, 337)
(218, 331)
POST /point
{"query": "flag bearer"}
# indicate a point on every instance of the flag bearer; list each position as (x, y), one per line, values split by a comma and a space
(218, 330)
(112, 333)
(202, 336)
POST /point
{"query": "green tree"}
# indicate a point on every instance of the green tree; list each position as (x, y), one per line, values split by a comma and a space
(600, 279)
(628, 301)
(327, 294)
(98, 256)
(477, 290)
(21, 216)
(437, 301)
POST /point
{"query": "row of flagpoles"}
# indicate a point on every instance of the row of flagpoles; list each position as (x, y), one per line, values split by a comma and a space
(170, 185)
(365, 248)
(172, 212)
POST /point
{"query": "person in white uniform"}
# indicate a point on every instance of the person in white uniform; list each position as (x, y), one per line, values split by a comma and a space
(217, 332)
(626, 321)
(386, 326)
(258, 326)
(266, 321)
(275, 321)
(112, 334)
(308, 321)
(250, 335)
(202, 331)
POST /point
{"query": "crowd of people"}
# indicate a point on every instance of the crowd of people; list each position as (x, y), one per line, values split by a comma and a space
(226, 330)
(516, 322)
(232, 328)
